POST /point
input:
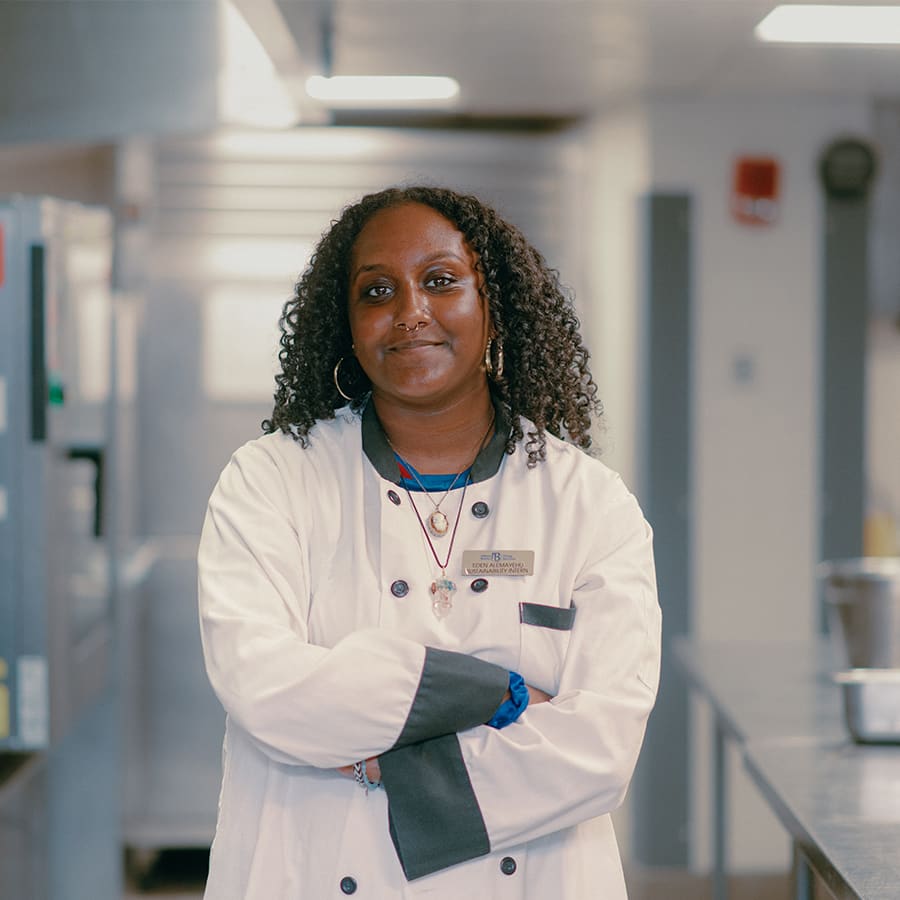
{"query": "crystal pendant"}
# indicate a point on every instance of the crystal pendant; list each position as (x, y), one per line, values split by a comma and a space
(438, 523)
(442, 592)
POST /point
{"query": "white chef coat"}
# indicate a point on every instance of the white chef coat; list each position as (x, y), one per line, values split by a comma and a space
(321, 644)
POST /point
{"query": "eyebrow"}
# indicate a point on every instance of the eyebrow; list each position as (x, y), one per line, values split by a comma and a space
(441, 254)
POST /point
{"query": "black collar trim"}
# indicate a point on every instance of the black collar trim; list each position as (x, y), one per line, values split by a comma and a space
(381, 455)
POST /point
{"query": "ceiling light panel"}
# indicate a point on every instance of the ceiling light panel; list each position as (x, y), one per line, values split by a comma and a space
(383, 91)
(820, 24)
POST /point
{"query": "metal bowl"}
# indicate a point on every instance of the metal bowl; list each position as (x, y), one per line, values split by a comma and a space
(871, 704)
(863, 597)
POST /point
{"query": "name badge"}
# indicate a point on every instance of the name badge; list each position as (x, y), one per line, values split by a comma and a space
(498, 562)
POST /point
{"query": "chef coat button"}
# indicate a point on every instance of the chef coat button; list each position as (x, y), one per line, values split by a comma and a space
(479, 585)
(507, 865)
(348, 884)
(394, 497)
(399, 588)
(480, 509)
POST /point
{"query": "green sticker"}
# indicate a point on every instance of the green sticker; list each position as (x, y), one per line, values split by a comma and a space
(57, 391)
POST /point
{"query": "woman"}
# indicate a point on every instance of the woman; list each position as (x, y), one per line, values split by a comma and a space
(391, 590)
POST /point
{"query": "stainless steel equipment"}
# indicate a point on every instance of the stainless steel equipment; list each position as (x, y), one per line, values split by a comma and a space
(871, 704)
(863, 598)
(58, 732)
(55, 601)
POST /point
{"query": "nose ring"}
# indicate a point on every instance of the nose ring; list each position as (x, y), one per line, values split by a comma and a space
(406, 327)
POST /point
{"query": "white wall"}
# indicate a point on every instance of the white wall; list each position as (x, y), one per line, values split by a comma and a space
(757, 307)
(755, 369)
(756, 349)
(617, 174)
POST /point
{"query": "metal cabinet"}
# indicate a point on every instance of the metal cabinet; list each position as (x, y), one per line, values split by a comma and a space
(58, 730)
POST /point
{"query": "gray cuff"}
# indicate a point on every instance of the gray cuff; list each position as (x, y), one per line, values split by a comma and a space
(456, 692)
(434, 817)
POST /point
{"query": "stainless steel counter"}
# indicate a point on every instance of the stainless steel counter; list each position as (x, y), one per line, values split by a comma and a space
(839, 801)
(841, 804)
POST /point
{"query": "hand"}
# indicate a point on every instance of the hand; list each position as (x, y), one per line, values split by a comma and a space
(536, 695)
(373, 770)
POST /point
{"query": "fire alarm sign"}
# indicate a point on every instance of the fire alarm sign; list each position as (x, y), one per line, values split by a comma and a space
(754, 195)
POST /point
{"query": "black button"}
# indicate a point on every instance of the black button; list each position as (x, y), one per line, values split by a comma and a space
(480, 509)
(394, 497)
(348, 884)
(399, 588)
(479, 585)
(507, 865)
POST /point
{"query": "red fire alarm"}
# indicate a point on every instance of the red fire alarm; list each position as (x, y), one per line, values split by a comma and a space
(754, 195)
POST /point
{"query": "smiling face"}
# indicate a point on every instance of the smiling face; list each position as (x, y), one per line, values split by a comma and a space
(417, 317)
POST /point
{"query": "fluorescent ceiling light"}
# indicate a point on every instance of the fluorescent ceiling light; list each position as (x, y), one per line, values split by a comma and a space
(385, 91)
(819, 24)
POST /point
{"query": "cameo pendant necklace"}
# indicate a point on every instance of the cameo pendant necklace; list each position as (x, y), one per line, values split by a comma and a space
(438, 523)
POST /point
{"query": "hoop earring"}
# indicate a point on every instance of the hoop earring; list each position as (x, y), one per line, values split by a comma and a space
(336, 377)
(495, 371)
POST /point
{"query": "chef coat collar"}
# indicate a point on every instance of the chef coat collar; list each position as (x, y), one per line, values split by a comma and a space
(381, 454)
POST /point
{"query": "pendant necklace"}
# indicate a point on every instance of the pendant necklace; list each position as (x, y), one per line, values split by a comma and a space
(442, 589)
(438, 523)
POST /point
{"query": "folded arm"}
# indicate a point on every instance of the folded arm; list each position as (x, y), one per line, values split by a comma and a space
(460, 796)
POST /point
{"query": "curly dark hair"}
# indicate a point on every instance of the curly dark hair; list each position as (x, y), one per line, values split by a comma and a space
(545, 377)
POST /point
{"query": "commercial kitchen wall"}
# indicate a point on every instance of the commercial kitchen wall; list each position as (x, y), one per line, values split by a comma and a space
(755, 344)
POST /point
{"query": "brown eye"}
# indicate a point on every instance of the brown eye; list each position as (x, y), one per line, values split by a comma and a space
(440, 281)
(376, 291)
